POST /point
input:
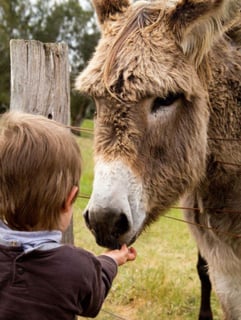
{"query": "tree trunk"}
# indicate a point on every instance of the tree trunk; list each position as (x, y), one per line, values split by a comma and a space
(40, 84)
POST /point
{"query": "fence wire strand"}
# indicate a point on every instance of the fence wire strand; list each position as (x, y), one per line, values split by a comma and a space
(209, 138)
(233, 235)
(217, 210)
(113, 315)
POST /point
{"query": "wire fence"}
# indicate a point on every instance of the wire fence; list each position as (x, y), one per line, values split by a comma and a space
(197, 210)
(217, 210)
(203, 226)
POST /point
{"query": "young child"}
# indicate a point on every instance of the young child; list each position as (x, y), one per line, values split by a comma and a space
(40, 278)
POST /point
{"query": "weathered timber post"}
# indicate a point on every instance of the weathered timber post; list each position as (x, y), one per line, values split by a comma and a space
(40, 84)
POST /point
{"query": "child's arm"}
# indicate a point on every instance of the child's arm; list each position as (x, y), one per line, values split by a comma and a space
(100, 277)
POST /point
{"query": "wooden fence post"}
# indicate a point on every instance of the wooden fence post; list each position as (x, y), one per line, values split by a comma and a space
(40, 84)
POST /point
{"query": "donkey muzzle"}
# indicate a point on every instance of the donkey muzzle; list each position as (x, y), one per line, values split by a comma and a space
(107, 225)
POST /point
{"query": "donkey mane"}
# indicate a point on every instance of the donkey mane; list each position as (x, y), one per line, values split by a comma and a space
(140, 18)
(145, 18)
(131, 30)
(218, 21)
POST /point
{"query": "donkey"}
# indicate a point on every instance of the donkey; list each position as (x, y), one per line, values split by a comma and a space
(166, 79)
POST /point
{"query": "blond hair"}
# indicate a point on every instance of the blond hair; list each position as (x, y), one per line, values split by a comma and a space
(40, 162)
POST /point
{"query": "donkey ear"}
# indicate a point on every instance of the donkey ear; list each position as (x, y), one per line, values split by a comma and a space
(105, 8)
(198, 23)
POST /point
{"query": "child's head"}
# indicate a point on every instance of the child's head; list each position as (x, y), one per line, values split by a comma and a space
(40, 163)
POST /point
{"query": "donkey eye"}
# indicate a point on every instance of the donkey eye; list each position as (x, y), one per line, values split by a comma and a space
(159, 103)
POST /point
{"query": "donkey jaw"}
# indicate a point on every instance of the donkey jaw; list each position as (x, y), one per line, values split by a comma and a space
(115, 213)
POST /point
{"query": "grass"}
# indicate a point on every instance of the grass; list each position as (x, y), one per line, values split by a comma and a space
(162, 283)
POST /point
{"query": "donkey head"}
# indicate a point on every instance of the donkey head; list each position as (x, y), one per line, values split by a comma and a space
(147, 80)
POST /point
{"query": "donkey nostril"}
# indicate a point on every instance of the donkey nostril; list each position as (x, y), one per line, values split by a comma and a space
(122, 225)
(86, 217)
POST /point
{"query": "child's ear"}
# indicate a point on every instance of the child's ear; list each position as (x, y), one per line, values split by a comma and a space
(70, 198)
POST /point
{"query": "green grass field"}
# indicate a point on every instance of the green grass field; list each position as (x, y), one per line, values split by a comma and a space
(162, 283)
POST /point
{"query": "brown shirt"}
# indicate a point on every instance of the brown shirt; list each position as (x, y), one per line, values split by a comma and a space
(55, 284)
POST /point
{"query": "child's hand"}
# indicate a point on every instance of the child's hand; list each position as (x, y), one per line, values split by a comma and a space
(123, 255)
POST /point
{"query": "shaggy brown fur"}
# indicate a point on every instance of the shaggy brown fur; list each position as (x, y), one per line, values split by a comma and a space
(166, 79)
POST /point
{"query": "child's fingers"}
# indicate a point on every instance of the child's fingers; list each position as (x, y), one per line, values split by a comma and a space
(132, 253)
